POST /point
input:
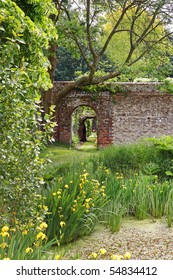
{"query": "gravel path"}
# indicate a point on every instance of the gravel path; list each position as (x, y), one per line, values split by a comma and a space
(145, 240)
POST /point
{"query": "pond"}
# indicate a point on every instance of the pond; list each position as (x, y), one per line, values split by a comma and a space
(145, 240)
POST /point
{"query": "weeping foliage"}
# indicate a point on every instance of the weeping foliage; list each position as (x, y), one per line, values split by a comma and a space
(23, 71)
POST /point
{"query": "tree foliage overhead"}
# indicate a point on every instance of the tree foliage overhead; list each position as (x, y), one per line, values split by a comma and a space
(25, 32)
(96, 27)
(145, 56)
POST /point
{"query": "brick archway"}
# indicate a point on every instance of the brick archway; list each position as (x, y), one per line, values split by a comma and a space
(100, 103)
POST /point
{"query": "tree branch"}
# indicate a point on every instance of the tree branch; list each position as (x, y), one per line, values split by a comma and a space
(124, 9)
(145, 32)
(84, 81)
(149, 48)
(88, 29)
(76, 39)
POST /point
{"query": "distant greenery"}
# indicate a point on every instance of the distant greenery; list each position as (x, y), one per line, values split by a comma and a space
(140, 71)
(78, 67)
(125, 40)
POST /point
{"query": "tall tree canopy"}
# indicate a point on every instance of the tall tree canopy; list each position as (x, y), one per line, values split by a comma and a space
(127, 31)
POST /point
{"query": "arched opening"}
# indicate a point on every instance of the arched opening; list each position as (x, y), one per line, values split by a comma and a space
(84, 127)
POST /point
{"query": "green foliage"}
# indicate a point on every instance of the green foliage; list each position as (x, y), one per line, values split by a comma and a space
(113, 214)
(164, 143)
(129, 39)
(132, 179)
(23, 71)
(166, 86)
(71, 64)
(68, 65)
(149, 156)
(155, 62)
(27, 243)
(169, 208)
(112, 88)
(75, 202)
(127, 158)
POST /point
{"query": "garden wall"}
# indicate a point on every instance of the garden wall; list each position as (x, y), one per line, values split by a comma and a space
(129, 112)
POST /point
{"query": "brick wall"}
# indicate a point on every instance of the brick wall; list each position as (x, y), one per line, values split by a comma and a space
(138, 111)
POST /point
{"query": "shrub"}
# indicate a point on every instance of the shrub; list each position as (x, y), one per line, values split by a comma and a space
(23, 71)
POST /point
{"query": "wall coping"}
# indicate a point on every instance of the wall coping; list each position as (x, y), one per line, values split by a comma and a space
(127, 87)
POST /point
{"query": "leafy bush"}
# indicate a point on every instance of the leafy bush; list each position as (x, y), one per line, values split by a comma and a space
(164, 147)
(23, 71)
(166, 86)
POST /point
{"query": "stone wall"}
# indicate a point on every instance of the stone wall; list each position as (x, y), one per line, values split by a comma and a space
(137, 111)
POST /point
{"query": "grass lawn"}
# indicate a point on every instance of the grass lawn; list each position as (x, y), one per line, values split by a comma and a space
(60, 154)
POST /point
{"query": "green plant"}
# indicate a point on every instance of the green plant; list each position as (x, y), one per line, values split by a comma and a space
(141, 195)
(24, 37)
(169, 208)
(128, 159)
(163, 143)
(164, 146)
(75, 202)
(139, 190)
(166, 86)
(112, 214)
(151, 168)
(24, 243)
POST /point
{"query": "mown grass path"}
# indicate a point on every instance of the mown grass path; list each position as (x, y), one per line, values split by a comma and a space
(59, 154)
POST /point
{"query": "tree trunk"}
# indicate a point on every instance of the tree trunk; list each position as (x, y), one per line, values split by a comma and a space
(45, 95)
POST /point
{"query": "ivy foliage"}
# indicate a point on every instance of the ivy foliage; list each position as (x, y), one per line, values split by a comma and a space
(110, 87)
(166, 86)
(24, 35)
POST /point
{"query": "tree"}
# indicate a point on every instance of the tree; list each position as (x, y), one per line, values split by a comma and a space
(25, 32)
(65, 58)
(78, 67)
(81, 25)
(154, 62)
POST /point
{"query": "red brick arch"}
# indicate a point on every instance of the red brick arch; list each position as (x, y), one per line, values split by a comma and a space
(100, 104)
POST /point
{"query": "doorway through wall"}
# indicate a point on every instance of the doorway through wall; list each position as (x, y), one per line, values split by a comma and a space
(84, 128)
